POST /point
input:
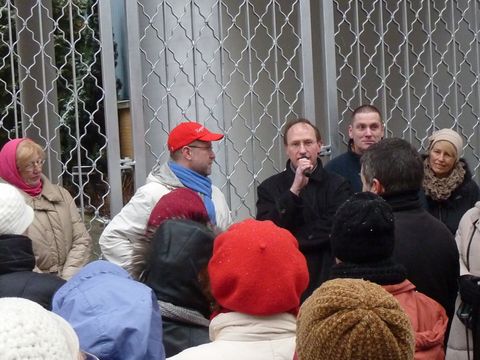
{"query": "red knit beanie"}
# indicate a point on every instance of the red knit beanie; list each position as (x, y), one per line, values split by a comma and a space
(181, 203)
(257, 269)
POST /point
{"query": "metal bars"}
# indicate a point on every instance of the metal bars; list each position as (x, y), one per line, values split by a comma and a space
(418, 61)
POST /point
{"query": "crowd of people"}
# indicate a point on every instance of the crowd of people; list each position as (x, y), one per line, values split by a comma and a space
(373, 256)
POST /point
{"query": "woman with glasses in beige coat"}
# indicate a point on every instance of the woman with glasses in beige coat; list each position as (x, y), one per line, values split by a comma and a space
(61, 243)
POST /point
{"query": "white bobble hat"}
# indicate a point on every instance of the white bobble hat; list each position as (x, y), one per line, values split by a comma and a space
(15, 215)
(28, 331)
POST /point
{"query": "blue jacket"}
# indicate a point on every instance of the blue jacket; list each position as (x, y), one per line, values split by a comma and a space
(114, 316)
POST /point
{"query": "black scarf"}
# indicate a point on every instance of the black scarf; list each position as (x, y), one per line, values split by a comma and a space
(385, 272)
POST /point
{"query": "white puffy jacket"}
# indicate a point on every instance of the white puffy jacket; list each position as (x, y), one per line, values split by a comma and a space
(129, 225)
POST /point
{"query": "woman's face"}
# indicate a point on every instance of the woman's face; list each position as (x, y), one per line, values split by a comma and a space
(442, 158)
(31, 171)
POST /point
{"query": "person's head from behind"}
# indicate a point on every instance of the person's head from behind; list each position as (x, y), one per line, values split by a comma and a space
(363, 230)
(182, 203)
(176, 264)
(28, 331)
(350, 319)
(15, 214)
(302, 140)
(190, 145)
(391, 166)
(366, 128)
(114, 316)
(257, 269)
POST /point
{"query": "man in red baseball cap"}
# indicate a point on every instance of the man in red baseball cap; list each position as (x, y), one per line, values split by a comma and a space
(190, 164)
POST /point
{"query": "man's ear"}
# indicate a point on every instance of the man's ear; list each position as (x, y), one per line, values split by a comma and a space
(377, 187)
(350, 131)
(186, 153)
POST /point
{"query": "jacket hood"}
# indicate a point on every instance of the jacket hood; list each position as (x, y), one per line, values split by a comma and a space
(16, 254)
(428, 341)
(178, 253)
(235, 326)
(114, 316)
(161, 173)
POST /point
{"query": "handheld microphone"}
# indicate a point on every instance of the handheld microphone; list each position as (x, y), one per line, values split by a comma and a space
(307, 172)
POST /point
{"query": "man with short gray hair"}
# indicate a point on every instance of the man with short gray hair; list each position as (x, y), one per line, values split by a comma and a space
(393, 169)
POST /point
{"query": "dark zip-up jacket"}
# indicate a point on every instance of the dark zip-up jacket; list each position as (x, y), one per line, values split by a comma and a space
(348, 166)
(462, 199)
(308, 216)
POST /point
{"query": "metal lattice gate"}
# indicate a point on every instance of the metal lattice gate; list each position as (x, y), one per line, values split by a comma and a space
(240, 67)
(237, 67)
(418, 61)
(51, 91)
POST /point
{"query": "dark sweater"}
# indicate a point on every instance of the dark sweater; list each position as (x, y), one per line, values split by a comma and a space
(348, 166)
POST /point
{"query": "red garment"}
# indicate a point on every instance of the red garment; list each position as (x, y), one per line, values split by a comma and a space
(257, 269)
(8, 168)
(181, 203)
(428, 318)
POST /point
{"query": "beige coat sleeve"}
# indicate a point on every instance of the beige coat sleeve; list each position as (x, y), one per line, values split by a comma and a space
(81, 250)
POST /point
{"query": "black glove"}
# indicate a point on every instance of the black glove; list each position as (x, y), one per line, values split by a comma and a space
(469, 289)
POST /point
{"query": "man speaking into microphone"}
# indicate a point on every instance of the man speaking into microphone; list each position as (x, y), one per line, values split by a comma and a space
(304, 198)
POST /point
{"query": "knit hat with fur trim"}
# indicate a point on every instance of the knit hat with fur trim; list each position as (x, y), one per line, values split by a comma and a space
(181, 203)
(363, 230)
(15, 215)
(28, 331)
(348, 319)
(257, 269)
(447, 135)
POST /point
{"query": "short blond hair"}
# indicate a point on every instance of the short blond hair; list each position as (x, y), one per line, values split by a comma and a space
(26, 150)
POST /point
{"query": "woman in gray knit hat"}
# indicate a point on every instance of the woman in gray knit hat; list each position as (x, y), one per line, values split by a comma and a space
(448, 185)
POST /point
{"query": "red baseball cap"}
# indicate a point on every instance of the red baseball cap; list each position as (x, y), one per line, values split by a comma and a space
(187, 132)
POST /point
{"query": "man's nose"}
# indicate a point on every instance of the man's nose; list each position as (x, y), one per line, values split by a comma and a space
(368, 132)
(302, 148)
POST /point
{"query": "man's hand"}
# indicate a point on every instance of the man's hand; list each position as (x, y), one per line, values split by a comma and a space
(304, 166)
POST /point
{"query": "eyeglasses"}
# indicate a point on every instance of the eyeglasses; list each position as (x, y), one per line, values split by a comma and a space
(33, 164)
(208, 148)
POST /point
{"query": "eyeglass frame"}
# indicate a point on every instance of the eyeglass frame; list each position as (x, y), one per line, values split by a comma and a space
(33, 164)
(209, 148)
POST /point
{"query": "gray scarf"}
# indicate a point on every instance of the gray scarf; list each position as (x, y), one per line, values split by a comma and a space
(442, 188)
(178, 313)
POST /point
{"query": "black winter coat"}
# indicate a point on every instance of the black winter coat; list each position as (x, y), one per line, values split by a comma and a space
(427, 249)
(180, 251)
(462, 199)
(308, 216)
(16, 276)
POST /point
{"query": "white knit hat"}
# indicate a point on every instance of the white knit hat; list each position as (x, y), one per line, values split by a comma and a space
(15, 215)
(28, 331)
(449, 135)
